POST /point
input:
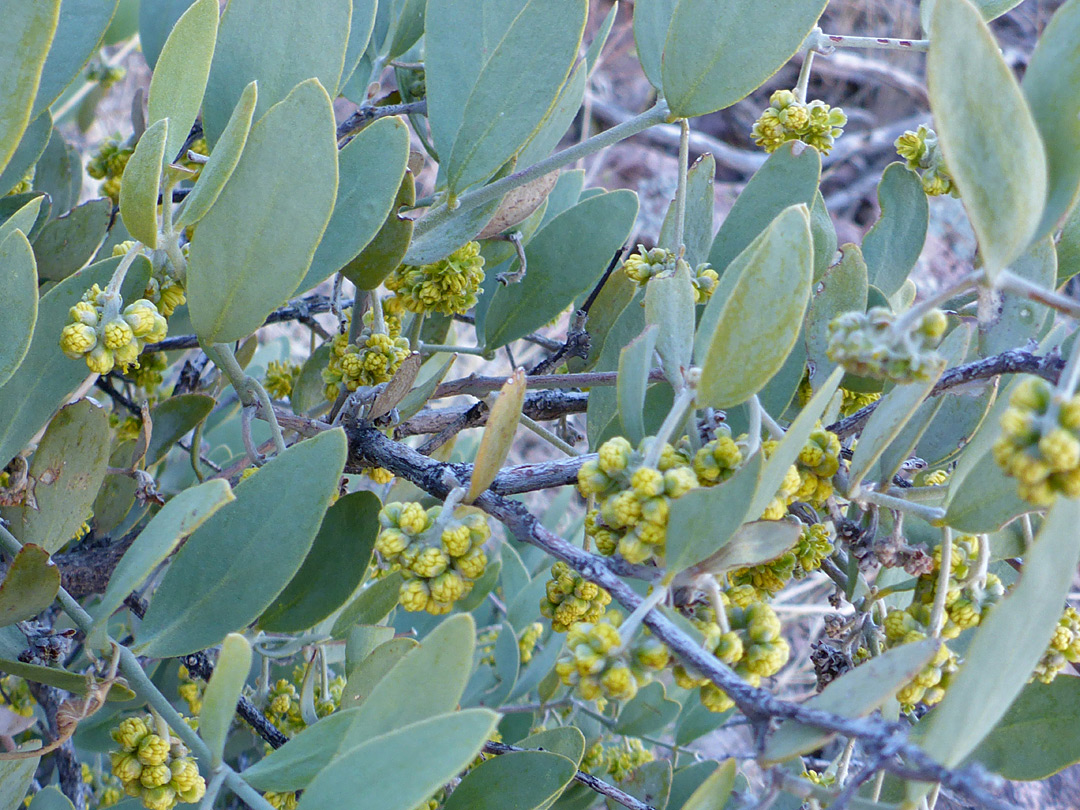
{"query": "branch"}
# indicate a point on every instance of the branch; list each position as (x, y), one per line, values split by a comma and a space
(365, 115)
(542, 406)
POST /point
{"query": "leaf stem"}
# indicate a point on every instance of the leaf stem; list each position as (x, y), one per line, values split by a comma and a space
(826, 43)
(937, 613)
(680, 190)
(1010, 282)
(250, 391)
(676, 416)
(548, 436)
(931, 514)
(804, 75)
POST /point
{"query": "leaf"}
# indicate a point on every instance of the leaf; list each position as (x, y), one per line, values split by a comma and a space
(650, 711)
(991, 144)
(824, 231)
(698, 224)
(371, 606)
(789, 177)
(177, 519)
(425, 683)
(843, 288)
(1038, 735)
(60, 678)
(651, 783)
(493, 687)
(565, 258)
(332, 570)
(18, 280)
(985, 499)
(59, 174)
(399, 770)
(31, 146)
(50, 798)
(243, 56)
(65, 474)
(892, 246)
(45, 378)
(1017, 319)
(753, 319)
(233, 566)
(695, 722)
(384, 253)
(651, 21)
(635, 362)
(370, 170)
(364, 677)
(361, 26)
(987, 683)
(753, 544)
(16, 776)
(715, 55)
(66, 244)
(854, 694)
(24, 42)
(222, 161)
(1049, 82)
(266, 227)
(22, 219)
(520, 780)
(156, 21)
(79, 33)
(670, 306)
(222, 692)
(498, 435)
(181, 71)
(141, 181)
(493, 69)
(174, 417)
(30, 585)
(714, 792)
(960, 415)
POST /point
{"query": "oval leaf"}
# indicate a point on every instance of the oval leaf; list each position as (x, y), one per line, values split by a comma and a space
(522, 780)
(498, 435)
(892, 246)
(30, 585)
(18, 280)
(79, 33)
(142, 178)
(843, 288)
(384, 253)
(635, 362)
(222, 692)
(24, 43)
(69, 242)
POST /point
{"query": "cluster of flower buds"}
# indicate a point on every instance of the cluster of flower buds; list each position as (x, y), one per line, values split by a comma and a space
(281, 376)
(1039, 444)
(717, 461)
(440, 556)
(922, 154)
(752, 646)
(165, 288)
(104, 789)
(818, 462)
(619, 759)
(449, 286)
(597, 664)
(869, 345)
(373, 359)
(853, 400)
(108, 165)
(1064, 647)
(815, 543)
(634, 499)
(528, 640)
(108, 336)
(788, 119)
(571, 599)
(928, 687)
(642, 265)
(283, 702)
(154, 768)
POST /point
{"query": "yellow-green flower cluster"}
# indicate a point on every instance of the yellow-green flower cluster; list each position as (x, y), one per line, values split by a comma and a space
(281, 376)
(788, 119)
(643, 265)
(528, 640)
(15, 696)
(149, 374)
(1064, 647)
(108, 165)
(752, 647)
(853, 400)
(440, 555)
(105, 789)
(25, 184)
(929, 686)
(620, 759)
(281, 801)
(818, 462)
(571, 598)
(107, 337)
(164, 288)
(634, 499)
(596, 664)
(1038, 448)
(449, 286)
(867, 344)
(283, 702)
(717, 461)
(815, 543)
(191, 691)
(154, 768)
(922, 154)
(373, 359)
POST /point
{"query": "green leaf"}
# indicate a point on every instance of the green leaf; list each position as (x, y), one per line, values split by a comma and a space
(384, 253)
(688, 778)
(399, 770)
(985, 499)
(51, 799)
(222, 162)
(1068, 247)
(66, 244)
(31, 147)
(715, 53)
(1018, 319)
(650, 711)
(986, 131)
(434, 243)
(565, 740)
(177, 519)
(698, 223)
(843, 288)
(753, 544)
(18, 280)
(14, 204)
(362, 641)
(789, 177)
(824, 231)
(59, 174)
(371, 606)
(753, 319)
(1038, 735)
(565, 258)
(141, 181)
(635, 362)
(1050, 80)
(172, 418)
(22, 219)
(73, 682)
(364, 677)
(614, 297)
(651, 21)
(333, 569)
(156, 21)
(251, 41)
(854, 694)
(987, 683)
(520, 780)
(24, 43)
(181, 71)
(960, 415)
(65, 473)
(695, 722)
(714, 791)
(425, 683)
(222, 692)
(892, 246)
(370, 171)
(233, 566)
(266, 227)
(45, 378)
(493, 687)
(651, 783)
(361, 25)
(494, 68)
(15, 778)
(79, 33)
(30, 585)
(670, 306)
